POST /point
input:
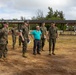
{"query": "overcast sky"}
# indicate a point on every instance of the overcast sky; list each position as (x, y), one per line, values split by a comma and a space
(16, 8)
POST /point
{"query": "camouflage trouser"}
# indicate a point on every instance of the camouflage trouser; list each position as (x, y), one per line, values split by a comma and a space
(52, 42)
(42, 42)
(6, 46)
(13, 40)
(24, 46)
(20, 39)
(3, 50)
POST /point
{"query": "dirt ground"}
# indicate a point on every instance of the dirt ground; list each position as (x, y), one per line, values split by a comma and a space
(63, 63)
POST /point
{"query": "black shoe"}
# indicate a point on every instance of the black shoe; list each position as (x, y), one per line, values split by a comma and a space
(34, 53)
(53, 53)
(39, 53)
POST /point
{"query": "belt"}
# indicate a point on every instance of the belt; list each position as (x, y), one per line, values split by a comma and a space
(37, 39)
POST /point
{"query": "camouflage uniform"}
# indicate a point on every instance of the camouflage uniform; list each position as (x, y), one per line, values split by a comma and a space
(52, 39)
(25, 32)
(14, 36)
(3, 42)
(43, 37)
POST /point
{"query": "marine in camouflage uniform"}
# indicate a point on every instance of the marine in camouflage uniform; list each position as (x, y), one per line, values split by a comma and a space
(3, 41)
(24, 35)
(14, 34)
(53, 34)
(43, 37)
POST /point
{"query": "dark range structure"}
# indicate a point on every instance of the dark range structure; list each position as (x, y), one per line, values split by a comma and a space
(39, 21)
(20, 22)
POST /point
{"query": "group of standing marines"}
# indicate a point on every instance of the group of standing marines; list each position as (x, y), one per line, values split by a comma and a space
(39, 37)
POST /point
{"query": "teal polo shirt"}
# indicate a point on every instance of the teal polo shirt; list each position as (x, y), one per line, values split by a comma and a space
(36, 34)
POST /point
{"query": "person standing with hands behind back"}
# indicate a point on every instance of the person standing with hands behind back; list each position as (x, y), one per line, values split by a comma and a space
(44, 33)
(53, 34)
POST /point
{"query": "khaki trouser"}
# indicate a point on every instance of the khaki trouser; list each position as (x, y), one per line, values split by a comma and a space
(24, 46)
(13, 40)
(52, 42)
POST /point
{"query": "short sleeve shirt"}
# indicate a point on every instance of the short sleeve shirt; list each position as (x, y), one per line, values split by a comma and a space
(36, 34)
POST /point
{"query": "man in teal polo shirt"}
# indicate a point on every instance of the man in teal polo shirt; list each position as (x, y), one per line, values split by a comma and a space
(37, 37)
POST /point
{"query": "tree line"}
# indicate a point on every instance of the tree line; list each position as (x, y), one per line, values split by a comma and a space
(51, 15)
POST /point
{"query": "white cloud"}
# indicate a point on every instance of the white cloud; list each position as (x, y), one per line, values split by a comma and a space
(28, 8)
(15, 14)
